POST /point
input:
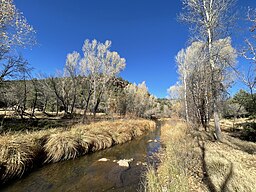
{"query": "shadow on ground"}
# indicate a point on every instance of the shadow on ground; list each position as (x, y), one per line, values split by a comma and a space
(206, 177)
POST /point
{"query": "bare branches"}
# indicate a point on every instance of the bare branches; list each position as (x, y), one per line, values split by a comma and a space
(204, 15)
(14, 28)
(14, 31)
(249, 53)
(251, 16)
(12, 67)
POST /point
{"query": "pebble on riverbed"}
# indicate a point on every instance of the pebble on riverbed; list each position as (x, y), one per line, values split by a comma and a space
(124, 162)
(121, 162)
(103, 159)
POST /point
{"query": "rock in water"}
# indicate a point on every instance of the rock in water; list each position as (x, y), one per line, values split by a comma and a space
(124, 162)
(103, 159)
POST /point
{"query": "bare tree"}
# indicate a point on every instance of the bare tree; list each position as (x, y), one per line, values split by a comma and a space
(14, 32)
(183, 70)
(99, 65)
(209, 20)
(139, 102)
(71, 70)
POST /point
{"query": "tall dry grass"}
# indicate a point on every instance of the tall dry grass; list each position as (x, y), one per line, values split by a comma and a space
(171, 174)
(17, 155)
(21, 152)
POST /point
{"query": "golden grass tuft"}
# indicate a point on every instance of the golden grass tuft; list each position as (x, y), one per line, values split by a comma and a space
(85, 142)
(122, 137)
(101, 142)
(61, 146)
(17, 155)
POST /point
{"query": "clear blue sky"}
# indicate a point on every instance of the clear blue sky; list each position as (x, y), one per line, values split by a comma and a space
(145, 32)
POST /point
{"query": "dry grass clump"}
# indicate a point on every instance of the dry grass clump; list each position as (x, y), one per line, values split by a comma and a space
(19, 152)
(171, 175)
(101, 141)
(122, 137)
(17, 155)
(85, 141)
(61, 146)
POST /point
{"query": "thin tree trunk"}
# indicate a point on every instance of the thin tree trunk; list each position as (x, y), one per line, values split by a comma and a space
(34, 104)
(86, 106)
(45, 104)
(25, 95)
(186, 102)
(57, 107)
(96, 108)
(73, 103)
(214, 87)
(217, 124)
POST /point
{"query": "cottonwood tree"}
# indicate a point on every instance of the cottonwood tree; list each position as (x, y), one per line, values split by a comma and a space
(14, 32)
(195, 77)
(138, 101)
(71, 71)
(55, 90)
(194, 81)
(209, 20)
(183, 71)
(17, 94)
(175, 93)
(33, 95)
(249, 52)
(99, 65)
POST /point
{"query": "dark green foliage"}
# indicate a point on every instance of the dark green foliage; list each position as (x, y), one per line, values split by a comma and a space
(248, 132)
(231, 108)
(247, 100)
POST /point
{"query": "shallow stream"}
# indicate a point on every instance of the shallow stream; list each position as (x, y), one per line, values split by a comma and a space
(88, 174)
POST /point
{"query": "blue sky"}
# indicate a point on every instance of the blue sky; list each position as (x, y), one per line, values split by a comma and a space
(145, 32)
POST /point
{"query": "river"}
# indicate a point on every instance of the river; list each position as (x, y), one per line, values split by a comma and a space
(87, 173)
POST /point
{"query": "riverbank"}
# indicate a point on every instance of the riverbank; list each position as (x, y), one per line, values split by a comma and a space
(20, 153)
(193, 161)
(177, 158)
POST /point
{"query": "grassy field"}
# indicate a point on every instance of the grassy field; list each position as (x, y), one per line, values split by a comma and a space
(21, 152)
(193, 161)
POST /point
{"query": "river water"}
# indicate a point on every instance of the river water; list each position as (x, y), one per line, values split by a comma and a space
(88, 174)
